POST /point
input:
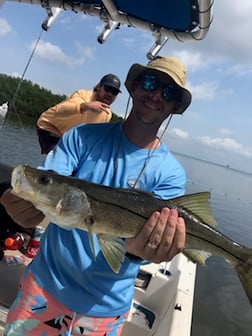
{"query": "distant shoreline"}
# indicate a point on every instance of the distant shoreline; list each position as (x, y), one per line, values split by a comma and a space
(213, 163)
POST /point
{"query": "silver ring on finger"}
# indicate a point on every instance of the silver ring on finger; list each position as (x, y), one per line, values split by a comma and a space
(152, 246)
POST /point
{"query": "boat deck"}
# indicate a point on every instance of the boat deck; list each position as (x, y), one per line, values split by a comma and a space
(11, 268)
(3, 315)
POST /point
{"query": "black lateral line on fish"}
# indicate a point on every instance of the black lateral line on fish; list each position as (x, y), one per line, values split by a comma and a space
(118, 206)
(218, 247)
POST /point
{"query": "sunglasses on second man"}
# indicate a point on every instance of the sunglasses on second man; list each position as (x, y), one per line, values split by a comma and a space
(151, 83)
(111, 89)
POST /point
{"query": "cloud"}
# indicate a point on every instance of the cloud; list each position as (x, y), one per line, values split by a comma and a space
(138, 39)
(16, 74)
(224, 131)
(228, 35)
(205, 90)
(52, 53)
(88, 52)
(228, 39)
(194, 61)
(240, 70)
(5, 28)
(176, 132)
(129, 41)
(227, 144)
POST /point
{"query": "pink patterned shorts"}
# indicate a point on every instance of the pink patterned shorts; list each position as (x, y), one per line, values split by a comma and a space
(36, 313)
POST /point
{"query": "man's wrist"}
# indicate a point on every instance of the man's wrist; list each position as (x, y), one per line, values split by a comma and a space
(133, 257)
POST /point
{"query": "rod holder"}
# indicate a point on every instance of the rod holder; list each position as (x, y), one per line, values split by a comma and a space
(52, 14)
(108, 28)
(158, 44)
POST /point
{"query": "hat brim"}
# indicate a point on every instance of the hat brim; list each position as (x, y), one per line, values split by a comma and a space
(113, 86)
(137, 69)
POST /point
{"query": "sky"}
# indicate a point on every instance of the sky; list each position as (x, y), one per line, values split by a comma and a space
(217, 125)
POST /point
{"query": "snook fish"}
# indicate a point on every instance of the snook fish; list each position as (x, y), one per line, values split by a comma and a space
(115, 213)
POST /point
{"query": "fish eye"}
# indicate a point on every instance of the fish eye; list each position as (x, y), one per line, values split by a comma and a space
(44, 179)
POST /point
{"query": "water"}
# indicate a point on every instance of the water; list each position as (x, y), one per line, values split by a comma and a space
(19, 145)
(220, 304)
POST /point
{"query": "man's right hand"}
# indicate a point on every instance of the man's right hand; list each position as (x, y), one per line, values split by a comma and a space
(22, 212)
(95, 106)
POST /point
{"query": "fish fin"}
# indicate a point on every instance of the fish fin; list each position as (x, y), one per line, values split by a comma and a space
(113, 250)
(197, 256)
(198, 205)
(244, 271)
(91, 240)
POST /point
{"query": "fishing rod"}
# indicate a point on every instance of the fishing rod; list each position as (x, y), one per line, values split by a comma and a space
(15, 95)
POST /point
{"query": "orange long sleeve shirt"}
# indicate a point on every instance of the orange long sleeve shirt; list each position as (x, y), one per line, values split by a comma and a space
(63, 116)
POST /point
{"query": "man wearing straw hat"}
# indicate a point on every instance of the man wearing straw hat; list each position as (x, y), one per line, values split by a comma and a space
(90, 298)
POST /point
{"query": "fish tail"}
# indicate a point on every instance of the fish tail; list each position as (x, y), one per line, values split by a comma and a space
(244, 271)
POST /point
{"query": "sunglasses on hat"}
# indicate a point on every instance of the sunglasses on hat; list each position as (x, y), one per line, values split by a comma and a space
(151, 83)
(111, 89)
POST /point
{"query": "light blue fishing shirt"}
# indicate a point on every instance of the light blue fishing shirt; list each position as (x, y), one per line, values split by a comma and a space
(65, 266)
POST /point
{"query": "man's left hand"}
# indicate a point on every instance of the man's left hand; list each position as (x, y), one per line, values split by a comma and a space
(162, 237)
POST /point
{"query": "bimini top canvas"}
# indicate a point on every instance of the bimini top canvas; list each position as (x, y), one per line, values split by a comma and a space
(179, 19)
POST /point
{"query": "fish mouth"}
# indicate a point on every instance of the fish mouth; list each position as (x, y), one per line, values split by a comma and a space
(19, 182)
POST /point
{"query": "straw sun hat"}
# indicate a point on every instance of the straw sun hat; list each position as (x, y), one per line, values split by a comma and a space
(168, 65)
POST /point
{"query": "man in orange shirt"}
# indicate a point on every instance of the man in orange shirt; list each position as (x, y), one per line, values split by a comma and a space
(81, 107)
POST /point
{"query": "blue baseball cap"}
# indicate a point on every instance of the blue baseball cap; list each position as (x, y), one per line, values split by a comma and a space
(112, 81)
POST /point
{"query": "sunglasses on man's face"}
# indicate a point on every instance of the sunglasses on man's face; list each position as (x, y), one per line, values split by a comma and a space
(151, 83)
(111, 89)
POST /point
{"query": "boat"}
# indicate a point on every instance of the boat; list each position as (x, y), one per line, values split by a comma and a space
(3, 109)
(163, 299)
(3, 113)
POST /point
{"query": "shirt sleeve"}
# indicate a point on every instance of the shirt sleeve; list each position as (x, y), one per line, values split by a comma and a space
(64, 158)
